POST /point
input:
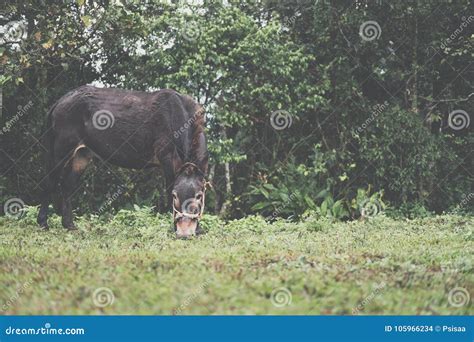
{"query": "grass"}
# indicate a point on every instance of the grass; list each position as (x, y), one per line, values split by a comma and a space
(247, 266)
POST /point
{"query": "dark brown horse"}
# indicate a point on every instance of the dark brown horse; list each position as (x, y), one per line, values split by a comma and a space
(130, 129)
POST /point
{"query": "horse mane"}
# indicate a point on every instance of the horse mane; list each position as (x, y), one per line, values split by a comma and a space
(190, 121)
(198, 123)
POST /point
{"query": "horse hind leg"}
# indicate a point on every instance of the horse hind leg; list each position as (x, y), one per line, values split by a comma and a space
(48, 187)
(71, 174)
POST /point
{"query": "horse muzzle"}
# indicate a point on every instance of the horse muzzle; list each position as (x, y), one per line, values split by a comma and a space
(186, 227)
(186, 222)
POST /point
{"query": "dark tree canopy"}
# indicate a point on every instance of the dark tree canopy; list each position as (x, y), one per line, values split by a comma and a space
(320, 106)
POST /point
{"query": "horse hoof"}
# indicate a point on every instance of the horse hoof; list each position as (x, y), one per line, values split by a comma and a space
(71, 227)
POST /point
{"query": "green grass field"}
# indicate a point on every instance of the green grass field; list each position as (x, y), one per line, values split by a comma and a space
(247, 266)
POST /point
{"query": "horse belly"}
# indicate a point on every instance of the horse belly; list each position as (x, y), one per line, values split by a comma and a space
(122, 147)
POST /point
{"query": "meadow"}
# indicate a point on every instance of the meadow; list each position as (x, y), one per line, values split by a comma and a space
(131, 263)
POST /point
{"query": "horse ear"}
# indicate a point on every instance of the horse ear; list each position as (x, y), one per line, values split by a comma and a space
(200, 153)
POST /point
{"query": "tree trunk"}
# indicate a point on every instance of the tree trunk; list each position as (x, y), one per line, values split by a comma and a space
(414, 102)
(228, 184)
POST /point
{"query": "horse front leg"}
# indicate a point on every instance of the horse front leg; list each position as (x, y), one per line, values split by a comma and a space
(170, 161)
(169, 183)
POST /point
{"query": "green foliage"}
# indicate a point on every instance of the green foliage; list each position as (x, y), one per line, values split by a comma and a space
(139, 217)
(364, 114)
(296, 190)
(409, 210)
(235, 266)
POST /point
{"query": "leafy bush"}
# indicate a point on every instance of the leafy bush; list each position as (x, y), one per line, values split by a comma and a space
(247, 62)
(410, 210)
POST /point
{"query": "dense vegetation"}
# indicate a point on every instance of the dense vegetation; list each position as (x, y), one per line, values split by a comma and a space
(328, 108)
(133, 264)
